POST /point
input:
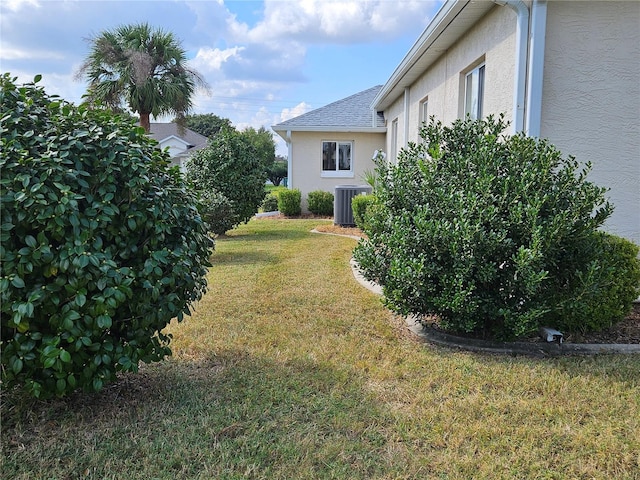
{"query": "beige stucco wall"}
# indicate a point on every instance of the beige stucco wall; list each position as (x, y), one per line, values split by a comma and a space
(491, 39)
(306, 164)
(591, 97)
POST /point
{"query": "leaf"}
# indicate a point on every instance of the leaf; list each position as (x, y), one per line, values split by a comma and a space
(65, 356)
(17, 282)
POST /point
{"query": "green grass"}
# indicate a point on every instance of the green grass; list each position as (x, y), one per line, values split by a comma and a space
(289, 369)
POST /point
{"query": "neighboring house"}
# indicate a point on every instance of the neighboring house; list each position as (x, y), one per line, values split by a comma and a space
(181, 142)
(333, 145)
(565, 71)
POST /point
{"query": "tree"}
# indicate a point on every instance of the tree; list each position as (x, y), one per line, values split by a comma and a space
(229, 166)
(277, 170)
(206, 124)
(102, 244)
(143, 68)
(262, 142)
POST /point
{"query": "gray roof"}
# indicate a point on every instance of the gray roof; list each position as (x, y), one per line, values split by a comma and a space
(161, 131)
(353, 113)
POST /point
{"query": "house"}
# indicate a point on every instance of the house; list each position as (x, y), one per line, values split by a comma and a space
(333, 145)
(565, 71)
(181, 142)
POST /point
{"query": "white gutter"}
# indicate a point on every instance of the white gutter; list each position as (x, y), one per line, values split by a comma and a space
(536, 67)
(407, 106)
(522, 37)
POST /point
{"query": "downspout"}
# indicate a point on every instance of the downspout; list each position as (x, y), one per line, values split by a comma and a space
(289, 150)
(407, 104)
(536, 67)
(522, 38)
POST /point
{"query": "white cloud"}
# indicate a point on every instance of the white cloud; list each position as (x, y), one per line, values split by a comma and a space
(299, 109)
(337, 21)
(208, 59)
(16, 5)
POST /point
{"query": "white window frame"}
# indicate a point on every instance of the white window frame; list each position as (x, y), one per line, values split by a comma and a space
(337, 172)
(474, 82)
(423, 115)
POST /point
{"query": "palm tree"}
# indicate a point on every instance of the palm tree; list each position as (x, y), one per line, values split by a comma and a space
(142, 68)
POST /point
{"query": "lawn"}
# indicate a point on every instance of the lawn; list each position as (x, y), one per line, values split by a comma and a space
(289, 369)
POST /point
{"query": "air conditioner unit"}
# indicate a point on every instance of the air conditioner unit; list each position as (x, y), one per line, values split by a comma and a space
(342, 213)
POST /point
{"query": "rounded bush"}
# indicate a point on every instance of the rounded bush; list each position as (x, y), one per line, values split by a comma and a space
(490, 233)
(320, 203)
(289, 202)
(230, 166)
(101, 244)
(217, 211)
(270, 203)
(361, 206)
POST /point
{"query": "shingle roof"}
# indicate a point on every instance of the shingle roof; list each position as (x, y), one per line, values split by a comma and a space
(160, 131)
(353, 112)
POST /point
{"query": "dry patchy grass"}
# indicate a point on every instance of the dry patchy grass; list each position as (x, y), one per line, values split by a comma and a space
(289, 369)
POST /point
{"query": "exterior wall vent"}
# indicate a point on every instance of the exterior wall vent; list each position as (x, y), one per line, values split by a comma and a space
(342, 213)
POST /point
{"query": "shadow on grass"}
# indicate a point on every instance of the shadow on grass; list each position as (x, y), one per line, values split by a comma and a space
(230, 416)
(243, 258)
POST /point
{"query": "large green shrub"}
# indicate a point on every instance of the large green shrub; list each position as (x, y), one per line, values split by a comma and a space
(289, 202)
(320, 202)
(494, 234)
(101, 244)
(230, 166)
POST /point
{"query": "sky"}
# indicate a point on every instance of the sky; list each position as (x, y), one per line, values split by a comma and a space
(264, 61)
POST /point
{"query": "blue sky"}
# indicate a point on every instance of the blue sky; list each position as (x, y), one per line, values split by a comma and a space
(265, 61)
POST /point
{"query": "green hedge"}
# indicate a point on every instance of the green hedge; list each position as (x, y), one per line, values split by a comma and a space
(320, 202)
(289, 202)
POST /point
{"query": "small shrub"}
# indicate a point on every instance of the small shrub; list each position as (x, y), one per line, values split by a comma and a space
(600, 290)
(320, 203)
(101, 245)
(270, 203)
(360, 205)
(217, 210)
(289, 202)
(489, 232)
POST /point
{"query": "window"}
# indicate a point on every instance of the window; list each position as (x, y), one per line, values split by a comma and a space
(474, 92)
(337, 157)
(424, 111)
(424, 116)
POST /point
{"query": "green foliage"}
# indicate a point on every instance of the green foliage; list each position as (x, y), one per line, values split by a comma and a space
(485, 231)
(101, 244)
(262, 142)
(206, 124)
(270, 203)
(277, 170)
(289, 202)
(229, 166)
(142, 67)
(217, 211)
(602, 282)
(320, 203)
(361, 206)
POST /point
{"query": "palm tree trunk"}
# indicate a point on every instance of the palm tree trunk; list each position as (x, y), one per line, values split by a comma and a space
(145, 122)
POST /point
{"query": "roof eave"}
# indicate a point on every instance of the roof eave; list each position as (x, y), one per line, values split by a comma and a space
(434, 41)
(341, 129)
